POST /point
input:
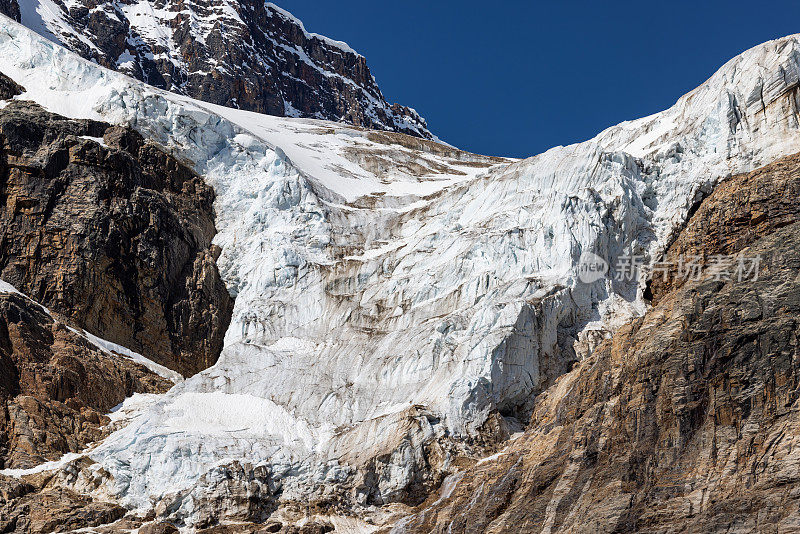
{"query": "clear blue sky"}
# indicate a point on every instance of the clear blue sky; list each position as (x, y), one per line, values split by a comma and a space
(515, 78)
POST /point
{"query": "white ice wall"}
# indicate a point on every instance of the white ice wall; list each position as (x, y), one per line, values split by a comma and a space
(361, 293)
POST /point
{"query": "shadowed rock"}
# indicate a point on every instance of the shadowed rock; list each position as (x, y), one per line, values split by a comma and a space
(113, 233)
(56, 386)
(9, 88)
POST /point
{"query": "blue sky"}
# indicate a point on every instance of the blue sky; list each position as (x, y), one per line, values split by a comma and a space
(515, 78)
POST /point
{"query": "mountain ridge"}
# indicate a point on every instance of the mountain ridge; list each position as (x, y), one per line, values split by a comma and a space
(400, 308)
(238, 53)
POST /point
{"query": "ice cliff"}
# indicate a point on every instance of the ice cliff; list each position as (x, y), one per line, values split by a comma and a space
(395, 296)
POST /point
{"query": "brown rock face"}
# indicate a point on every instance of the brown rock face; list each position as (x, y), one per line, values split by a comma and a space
(25, 508)
(114, 234)
(158, 528)
(686, 421)
(56, 386)
(9, 88)
(734, 216)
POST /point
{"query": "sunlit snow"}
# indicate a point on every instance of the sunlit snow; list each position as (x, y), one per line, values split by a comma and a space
(376, 282)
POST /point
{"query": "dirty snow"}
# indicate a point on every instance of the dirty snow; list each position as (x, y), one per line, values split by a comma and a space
(372, 278)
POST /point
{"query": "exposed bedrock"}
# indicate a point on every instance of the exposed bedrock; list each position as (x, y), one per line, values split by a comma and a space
(112, 232)
(56, 386)
(687, 420)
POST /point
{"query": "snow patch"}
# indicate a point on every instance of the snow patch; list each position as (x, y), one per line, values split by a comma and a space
(114, 349)
(99, 140)
(43, 467)
(375, 282)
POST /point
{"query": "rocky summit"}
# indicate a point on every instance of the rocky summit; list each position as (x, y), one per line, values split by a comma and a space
(241, 293)
(243, 54)
(686, 419)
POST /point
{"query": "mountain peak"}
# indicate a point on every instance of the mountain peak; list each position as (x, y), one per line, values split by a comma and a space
(344, 47)
(410, 342)
(242, 54)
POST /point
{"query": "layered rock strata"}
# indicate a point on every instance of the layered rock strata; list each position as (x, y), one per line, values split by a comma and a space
(243, 54)
(114, 233)
(686, 420)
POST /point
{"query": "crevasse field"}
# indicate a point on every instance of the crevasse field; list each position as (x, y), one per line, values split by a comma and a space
(365, 270)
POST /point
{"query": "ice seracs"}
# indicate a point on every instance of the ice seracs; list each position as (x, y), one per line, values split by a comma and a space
(394, 294)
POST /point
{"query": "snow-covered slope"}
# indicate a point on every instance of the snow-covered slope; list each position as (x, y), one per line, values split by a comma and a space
(392, 294)
(244, 54)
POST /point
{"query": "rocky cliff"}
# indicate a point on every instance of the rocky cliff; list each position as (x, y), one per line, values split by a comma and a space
(687, 419)
(57, 386)
(113, 233)
(61, 390)
(244, 54)
(413, 343)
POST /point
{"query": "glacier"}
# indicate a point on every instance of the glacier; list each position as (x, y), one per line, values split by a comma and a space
(394, 295)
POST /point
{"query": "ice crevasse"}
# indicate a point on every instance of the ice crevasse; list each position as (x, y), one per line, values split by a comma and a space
(380, 282)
